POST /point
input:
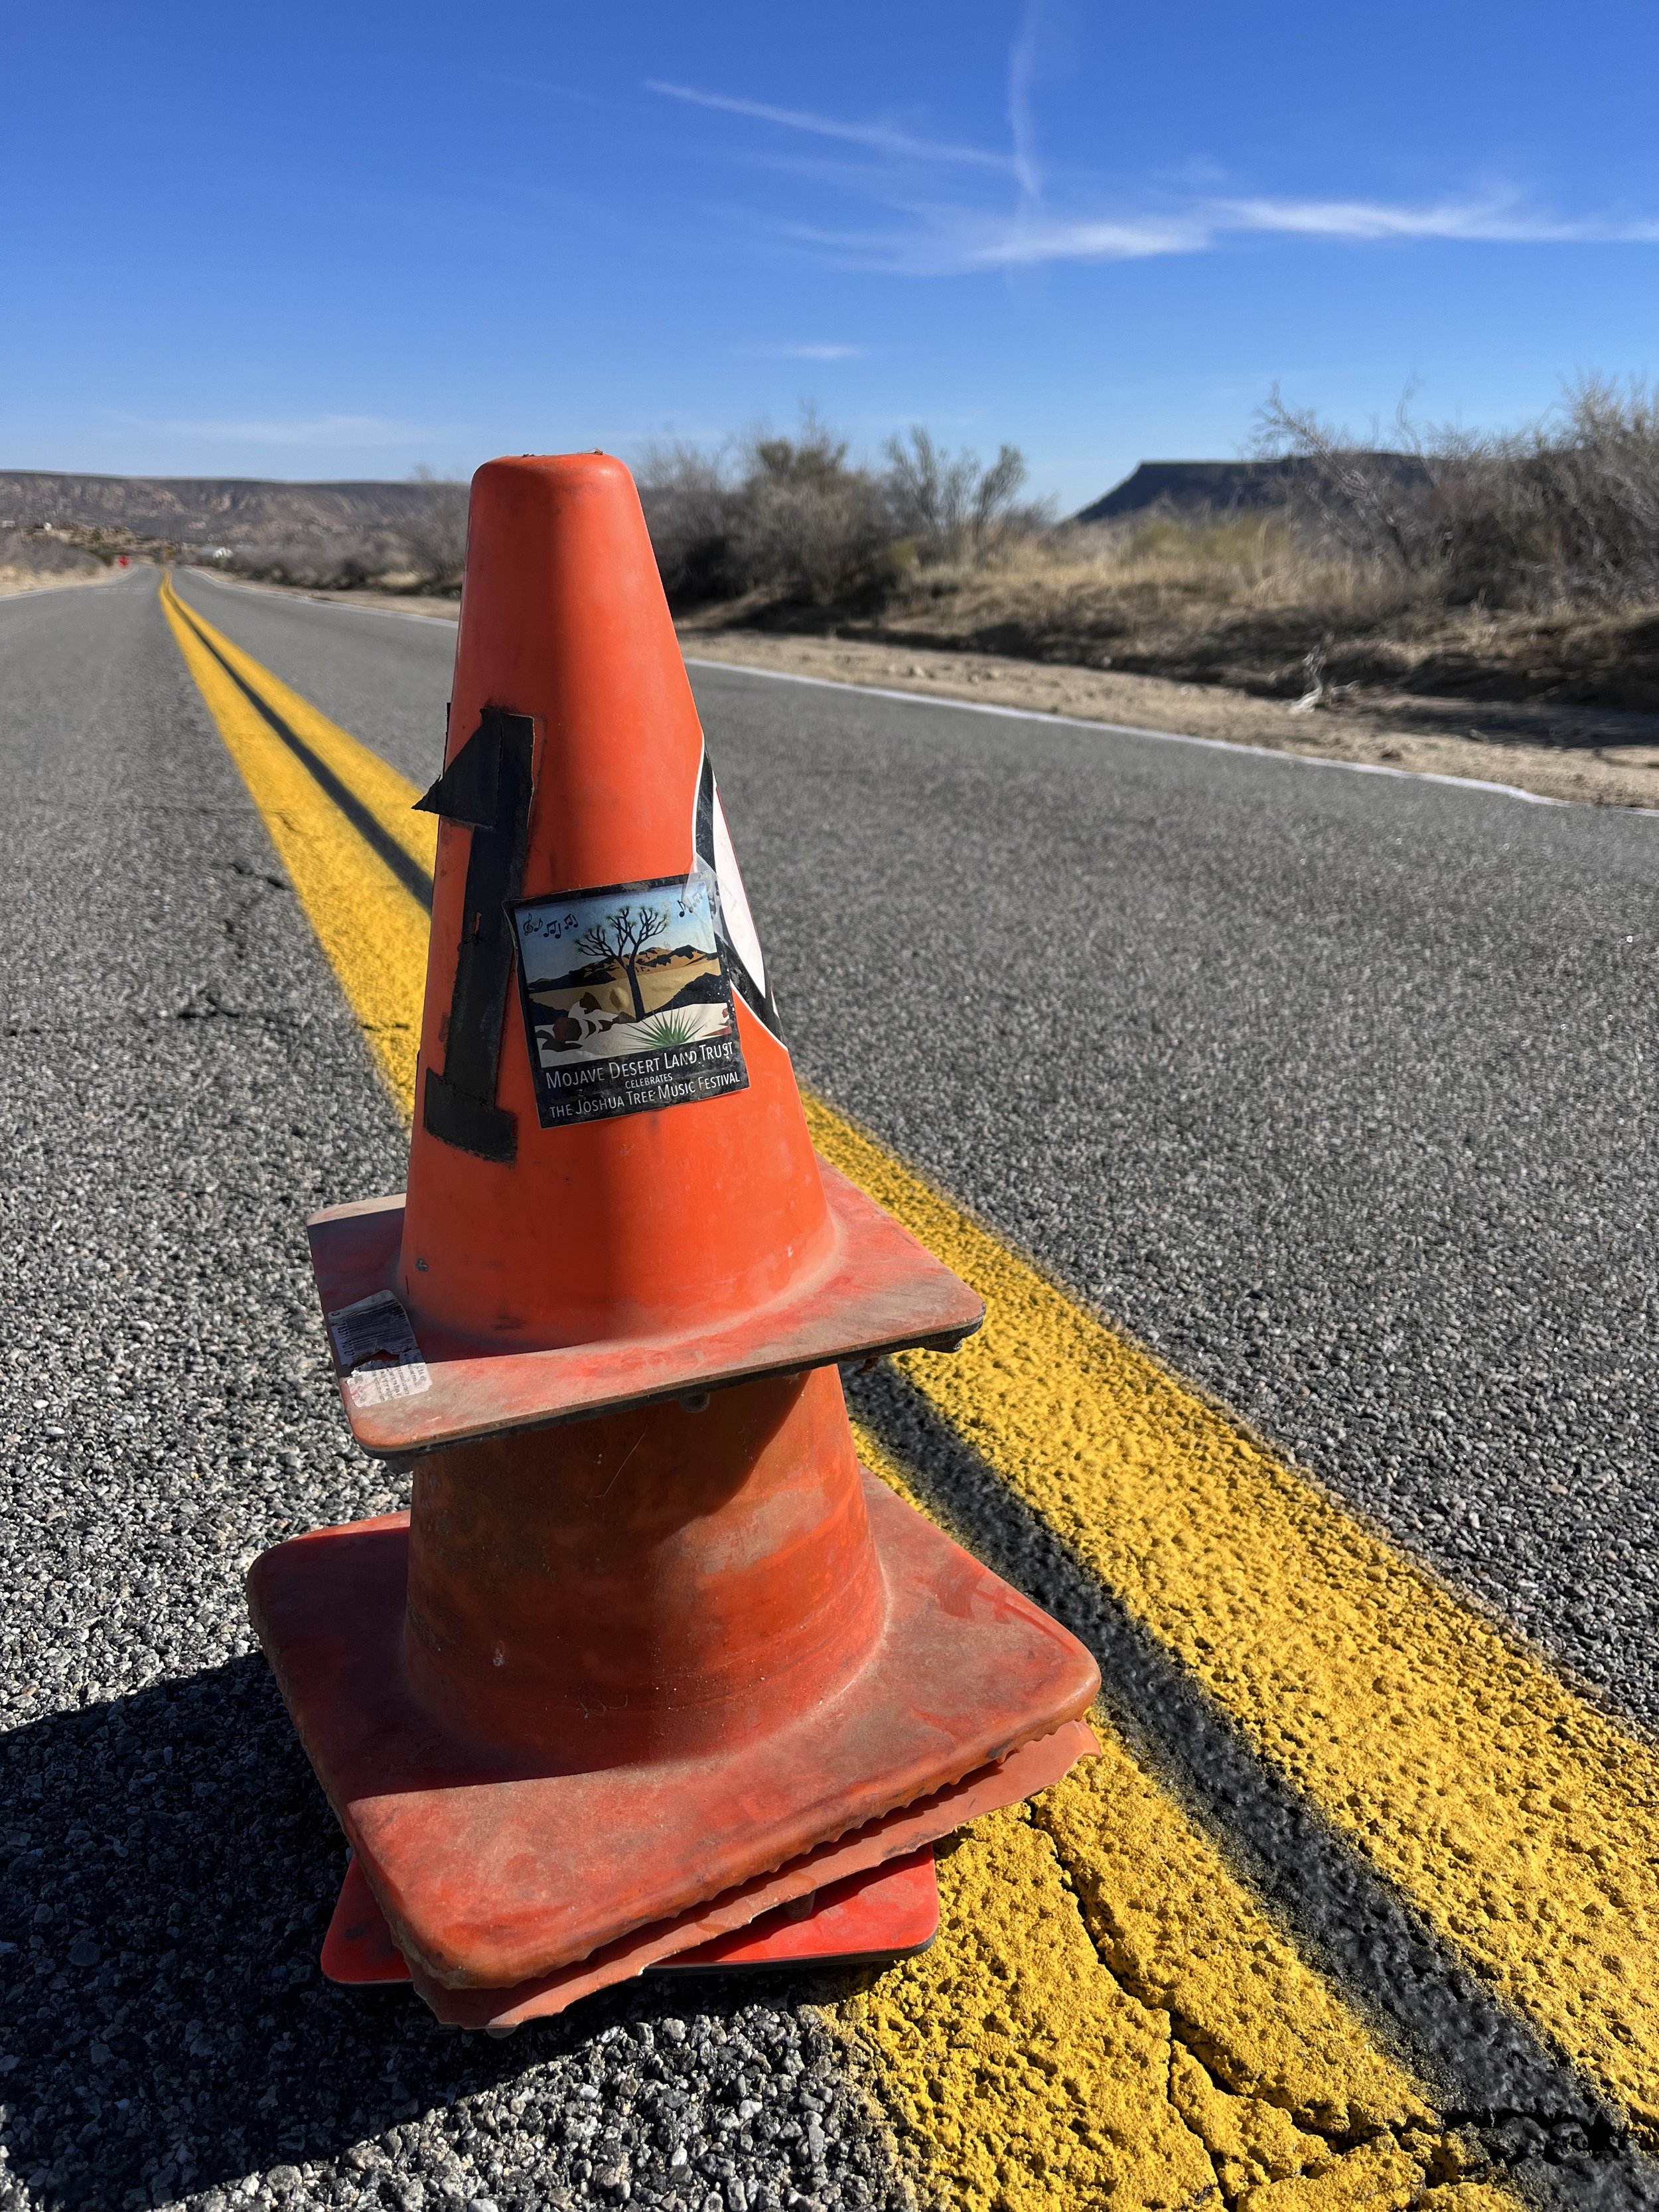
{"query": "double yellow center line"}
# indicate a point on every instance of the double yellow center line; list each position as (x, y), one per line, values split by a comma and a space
(361, 862)
(1111, 2002)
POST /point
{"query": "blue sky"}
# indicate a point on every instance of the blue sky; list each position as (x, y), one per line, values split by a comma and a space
(344, 240)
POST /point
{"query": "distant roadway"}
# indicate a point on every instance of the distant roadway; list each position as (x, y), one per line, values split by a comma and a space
(1300, 1124)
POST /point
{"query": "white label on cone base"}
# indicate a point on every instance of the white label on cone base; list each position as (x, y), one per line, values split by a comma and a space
(379, 1358)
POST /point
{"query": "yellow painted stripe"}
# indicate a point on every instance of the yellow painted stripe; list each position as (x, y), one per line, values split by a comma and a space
(1108, 2014)
(1517, 1817)
(374, 932)
(388, 797)
(1033, 2050)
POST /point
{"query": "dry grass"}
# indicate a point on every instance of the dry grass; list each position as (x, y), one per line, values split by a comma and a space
(1244, 601)
(1164, 568)
(1520, 566)
(15, 578)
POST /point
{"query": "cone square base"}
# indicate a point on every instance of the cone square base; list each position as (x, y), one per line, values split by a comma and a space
(881, 1292)
(889, 1912)
(1033, 1767)
(493, 1870)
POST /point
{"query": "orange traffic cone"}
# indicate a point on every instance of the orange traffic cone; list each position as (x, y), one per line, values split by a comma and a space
(649, 1658)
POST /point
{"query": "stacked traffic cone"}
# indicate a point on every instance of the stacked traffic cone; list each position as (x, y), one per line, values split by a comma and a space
(649, 1659)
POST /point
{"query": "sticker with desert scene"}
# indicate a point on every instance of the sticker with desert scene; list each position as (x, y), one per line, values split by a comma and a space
(627, 1001)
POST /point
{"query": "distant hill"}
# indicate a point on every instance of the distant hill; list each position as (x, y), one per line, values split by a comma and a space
(1228, 487)
(612, 971)
(232, 511)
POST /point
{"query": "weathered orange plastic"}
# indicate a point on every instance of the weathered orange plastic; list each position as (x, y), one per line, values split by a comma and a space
(368, 1953)
(499, 1862)
(649, 1656)
(882, 1291)
(712, 1574)
(891, 1912)
(657, 1222)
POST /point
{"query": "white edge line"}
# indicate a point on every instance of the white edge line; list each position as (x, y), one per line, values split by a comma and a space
(1167, 737)
(333, 606)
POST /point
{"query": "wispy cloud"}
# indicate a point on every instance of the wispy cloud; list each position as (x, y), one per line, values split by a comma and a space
(810, 349)
(954, 241)
(973, 242)
(1002, 214)
(877, 135)
(1022, 128)
(1502, 221)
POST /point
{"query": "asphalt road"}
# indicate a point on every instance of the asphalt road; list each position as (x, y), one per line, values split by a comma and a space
(1336, 1090)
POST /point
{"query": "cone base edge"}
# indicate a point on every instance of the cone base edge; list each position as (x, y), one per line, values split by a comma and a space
(884, 1292)
(456, 1835)
(871, 1916)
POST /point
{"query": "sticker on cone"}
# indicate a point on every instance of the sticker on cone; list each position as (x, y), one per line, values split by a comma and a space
(627, 999)
(717, 863)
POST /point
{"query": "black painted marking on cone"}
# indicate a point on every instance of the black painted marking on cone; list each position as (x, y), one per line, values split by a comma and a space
(1544, 2127)
(486, 788)
(408, 870)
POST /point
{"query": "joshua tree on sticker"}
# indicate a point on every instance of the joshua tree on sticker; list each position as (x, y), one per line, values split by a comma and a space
(622, 936)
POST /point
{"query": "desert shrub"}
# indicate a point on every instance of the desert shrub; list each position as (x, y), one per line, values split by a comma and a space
(1564, 510)
(807, 521)
(797, 517)
(950, 505)
(334, 560)
(691, 504)
(37, 552)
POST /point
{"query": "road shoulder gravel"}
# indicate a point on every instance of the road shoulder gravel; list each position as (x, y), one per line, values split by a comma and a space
(1604, 759)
